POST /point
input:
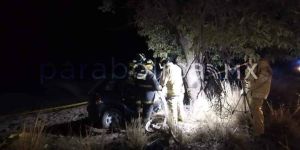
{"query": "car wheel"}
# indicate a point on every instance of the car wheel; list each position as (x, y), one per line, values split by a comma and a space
(111, 118)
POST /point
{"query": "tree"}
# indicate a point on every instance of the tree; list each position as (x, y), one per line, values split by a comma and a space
(224, 28)
(193, 25)
(234, 27)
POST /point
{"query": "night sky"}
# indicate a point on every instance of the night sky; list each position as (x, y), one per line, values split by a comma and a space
(34, 33)
(60, 31)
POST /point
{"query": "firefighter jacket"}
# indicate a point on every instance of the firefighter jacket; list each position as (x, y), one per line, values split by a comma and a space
(146, 85)
(171, 79)
(260, 87)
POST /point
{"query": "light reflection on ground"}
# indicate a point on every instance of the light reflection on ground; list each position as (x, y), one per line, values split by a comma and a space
(202, 116)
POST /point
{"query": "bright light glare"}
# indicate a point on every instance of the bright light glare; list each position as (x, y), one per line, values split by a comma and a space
(202, 116)
(298, 68)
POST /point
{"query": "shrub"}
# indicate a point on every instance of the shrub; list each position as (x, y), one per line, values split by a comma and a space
(136, 137)
(284, 128)
(31, 137)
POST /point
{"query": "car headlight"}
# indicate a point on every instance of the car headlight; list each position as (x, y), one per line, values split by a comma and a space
(298, 68)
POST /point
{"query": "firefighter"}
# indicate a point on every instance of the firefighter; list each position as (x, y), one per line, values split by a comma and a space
(139, 59)
(172, 84)
(146, 84)
(149, 65)
(258, 84)
(132, 65)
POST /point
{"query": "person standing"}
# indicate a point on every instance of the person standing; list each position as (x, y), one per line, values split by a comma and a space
(172, 84)
(258, 87)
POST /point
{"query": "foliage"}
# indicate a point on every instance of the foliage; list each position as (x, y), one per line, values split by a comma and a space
(31, 137)
(236, 27)
(217, 30)
(284, 127)
(136, 137)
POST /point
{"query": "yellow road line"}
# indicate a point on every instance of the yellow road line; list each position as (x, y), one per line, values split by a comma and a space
(47, 109)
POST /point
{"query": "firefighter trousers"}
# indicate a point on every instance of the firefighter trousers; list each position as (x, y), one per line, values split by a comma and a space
(144, 110)
(257, 115)
(176, 108)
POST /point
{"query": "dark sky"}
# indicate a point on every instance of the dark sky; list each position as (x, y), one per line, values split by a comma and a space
(36, 32)
(59, 31)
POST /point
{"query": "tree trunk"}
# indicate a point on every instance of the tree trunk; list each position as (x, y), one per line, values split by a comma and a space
(191, 69)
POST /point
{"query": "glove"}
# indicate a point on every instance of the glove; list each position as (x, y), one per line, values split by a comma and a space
(160, 88)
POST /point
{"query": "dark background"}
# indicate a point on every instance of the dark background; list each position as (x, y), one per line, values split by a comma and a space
(59, 31)
(37, 32)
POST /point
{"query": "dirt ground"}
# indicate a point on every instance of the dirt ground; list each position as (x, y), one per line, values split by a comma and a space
(57, 121)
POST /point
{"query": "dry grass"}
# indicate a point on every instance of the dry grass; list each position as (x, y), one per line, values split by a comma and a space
(236, 142)
(283, 128)
(34, 137)
(86, 144)
(231, 115)
(90, 141)
(282, 132)
(230, 130)
(214, 138)
(136, 137)
(31, 137)
(227, 129)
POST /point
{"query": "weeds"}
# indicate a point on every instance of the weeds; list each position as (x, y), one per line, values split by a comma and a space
(90, 141)
(284, 128)
(85, 143)
(217, 128)
(207, 130)
(32, 137)
(136, 137)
